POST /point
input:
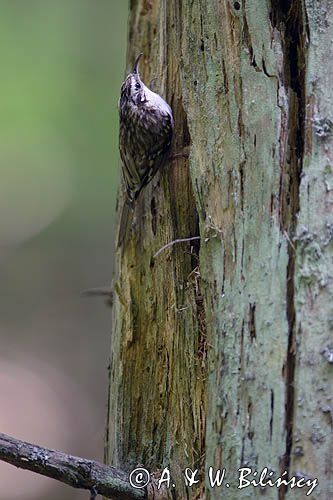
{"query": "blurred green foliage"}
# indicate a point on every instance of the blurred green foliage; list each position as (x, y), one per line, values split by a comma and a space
(62, 64)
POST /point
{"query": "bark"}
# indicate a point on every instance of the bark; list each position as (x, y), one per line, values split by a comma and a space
(220, 347)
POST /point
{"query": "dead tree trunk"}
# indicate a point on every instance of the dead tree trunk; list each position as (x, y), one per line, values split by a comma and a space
(220, 347)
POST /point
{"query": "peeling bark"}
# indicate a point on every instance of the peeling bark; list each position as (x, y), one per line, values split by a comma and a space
(220, 349)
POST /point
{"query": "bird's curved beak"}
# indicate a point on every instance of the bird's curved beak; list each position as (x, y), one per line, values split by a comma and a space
(136, 64)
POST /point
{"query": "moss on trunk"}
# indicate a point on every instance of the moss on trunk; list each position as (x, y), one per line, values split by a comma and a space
(220, 349)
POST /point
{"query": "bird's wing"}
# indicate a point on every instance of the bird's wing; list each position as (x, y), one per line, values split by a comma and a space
(145, 147)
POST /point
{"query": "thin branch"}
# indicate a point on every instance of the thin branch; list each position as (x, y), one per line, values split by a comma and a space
(100, 291)
(74, 471)
(174, 242)
(289, 240)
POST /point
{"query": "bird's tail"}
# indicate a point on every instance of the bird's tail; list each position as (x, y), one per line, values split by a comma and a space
(125, 224)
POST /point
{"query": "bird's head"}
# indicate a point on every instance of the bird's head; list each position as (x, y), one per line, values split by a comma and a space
(133, 88)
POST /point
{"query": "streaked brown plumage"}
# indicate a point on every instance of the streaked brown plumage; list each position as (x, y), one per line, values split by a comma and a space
(145, 135)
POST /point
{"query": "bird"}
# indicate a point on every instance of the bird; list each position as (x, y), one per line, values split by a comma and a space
(146, 127)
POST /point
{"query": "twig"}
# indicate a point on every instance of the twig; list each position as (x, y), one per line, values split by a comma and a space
(99, 291)
(289, 240)
(171, 243)
(74, 471)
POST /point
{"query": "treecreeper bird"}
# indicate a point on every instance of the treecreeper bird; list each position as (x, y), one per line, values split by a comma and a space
(145, 135)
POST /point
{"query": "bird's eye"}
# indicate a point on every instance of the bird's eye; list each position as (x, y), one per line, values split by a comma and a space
(137, 86)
